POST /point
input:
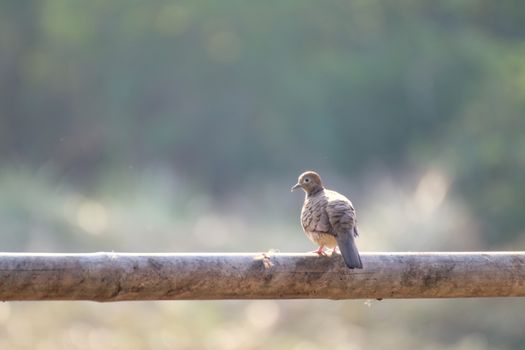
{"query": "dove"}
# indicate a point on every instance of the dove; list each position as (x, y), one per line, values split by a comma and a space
(329, 219)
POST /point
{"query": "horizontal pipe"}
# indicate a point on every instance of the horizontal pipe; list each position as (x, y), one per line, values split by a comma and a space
(108, 277)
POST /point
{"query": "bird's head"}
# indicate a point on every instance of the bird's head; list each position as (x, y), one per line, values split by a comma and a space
(309, 181)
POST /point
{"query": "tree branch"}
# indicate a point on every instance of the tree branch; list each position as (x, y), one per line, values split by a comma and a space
(197, 276)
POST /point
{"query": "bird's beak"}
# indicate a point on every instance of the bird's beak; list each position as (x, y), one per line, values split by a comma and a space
(296, 186)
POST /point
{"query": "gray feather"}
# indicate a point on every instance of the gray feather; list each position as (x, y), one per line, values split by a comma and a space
(349, 250)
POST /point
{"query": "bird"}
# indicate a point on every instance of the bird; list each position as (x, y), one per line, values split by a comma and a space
(329, 219)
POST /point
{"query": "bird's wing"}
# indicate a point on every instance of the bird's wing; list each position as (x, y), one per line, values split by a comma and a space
(342, 217)
(341, 214)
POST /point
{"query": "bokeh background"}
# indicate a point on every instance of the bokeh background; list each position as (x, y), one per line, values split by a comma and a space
(168, 126)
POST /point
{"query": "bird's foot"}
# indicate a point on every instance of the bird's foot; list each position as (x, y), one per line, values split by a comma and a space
(334, 251)
(320, 251)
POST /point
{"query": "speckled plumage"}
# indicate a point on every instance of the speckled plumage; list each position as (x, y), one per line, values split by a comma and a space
(328, 218)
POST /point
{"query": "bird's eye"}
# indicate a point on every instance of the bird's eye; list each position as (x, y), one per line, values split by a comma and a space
(307, 180)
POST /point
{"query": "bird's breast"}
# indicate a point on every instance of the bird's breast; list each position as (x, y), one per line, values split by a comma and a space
(314, 217)
(321, 238)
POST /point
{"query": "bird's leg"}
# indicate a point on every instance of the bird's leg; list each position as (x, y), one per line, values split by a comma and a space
(320, 250)
(334, 250)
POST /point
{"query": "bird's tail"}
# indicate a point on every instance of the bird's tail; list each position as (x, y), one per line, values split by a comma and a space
(346, 243)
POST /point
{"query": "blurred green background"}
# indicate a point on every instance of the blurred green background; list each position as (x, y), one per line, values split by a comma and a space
(167, 126)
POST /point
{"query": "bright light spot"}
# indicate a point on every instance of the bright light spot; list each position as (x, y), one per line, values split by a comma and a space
(92, 217)
(431, 191)
(262, 314)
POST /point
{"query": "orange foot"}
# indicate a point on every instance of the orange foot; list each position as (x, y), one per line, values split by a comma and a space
(320, 251)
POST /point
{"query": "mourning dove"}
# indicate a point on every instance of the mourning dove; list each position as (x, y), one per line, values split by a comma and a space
(329, 219)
